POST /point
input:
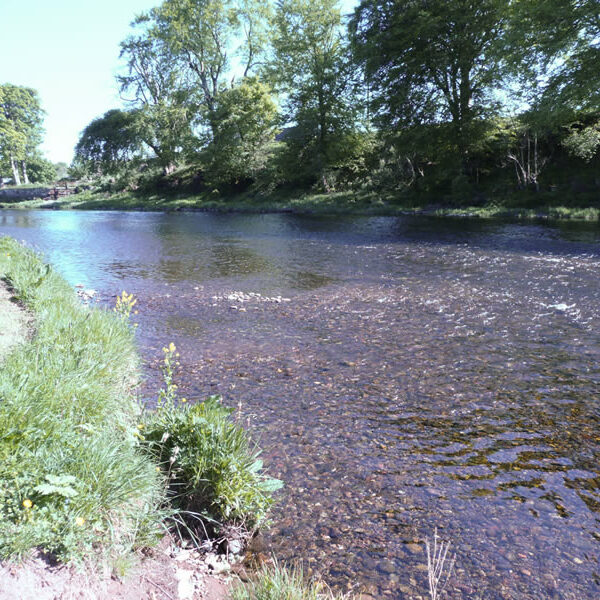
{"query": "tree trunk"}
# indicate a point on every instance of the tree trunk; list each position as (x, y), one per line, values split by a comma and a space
(15, 171)
(24, 170)
(322, 121)
(169, 168)
(528, 159)
(535, 163)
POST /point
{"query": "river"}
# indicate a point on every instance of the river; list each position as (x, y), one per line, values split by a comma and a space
(401, 374)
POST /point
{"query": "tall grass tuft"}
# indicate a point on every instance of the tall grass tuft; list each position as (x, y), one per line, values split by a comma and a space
(73, 480)
(279, 583)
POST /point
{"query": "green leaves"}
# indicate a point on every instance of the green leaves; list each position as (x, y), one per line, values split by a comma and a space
(20, 127)
(245, 118)
(60, 485)
(108, 142)
(430, 61)
(210, 463)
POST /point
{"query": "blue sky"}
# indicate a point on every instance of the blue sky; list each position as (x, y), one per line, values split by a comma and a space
(68, 50)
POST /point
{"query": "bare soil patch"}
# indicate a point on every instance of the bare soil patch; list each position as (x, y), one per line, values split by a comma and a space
(165, 573)
(14, 322)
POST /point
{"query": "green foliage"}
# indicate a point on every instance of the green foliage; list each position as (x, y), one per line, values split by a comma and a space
(430, 62)
(555, 47)
(200, 34)
(62, 170)
(245, 117)
(278, 583)
(20, 128)
(310, 66)
(108, 143)
(165, 105)
(72, 479)
(41, 170)
(212, 468)
(438, 80)
(583, 143)
(20, 120)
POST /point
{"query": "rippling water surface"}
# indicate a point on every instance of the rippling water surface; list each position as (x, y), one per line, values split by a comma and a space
(402, 374)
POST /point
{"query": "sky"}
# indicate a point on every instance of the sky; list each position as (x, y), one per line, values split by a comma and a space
(68, 50)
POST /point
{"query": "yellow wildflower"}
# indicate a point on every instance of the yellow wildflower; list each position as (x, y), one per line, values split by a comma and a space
(172, 347)
(184, 399)
(27, 503)
(79, 521)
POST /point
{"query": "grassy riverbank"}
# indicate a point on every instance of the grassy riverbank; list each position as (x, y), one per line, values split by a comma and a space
(83, 473)
(84, 476)
(522, 205)
(73, 481)
(13, 323)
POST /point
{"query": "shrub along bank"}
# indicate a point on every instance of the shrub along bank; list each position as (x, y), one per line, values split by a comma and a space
(78, 477)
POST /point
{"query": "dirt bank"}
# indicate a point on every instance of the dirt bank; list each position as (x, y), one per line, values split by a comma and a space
(13, 322)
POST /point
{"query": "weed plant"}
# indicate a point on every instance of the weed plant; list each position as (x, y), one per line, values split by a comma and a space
(73, 480)
(212, 468)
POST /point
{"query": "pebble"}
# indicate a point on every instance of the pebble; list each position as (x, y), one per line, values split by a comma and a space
(386, 566)
(185, 584)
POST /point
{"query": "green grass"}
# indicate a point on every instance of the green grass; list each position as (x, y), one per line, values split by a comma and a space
(278, 583)
(494, 211)
(83, 473)
(72, 478)
(517, 205)
(27, 186)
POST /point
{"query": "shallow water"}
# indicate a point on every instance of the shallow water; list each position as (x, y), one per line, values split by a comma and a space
(401, 374)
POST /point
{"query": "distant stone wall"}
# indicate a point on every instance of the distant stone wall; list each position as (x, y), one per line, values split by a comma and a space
(23, 193)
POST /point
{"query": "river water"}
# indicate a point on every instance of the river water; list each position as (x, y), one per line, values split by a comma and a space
(401, 374)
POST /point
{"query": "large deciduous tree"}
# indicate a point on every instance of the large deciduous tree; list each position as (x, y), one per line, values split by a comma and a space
(309, 67)
(20, 128)
(556, 43)
(201, 36)
(165, 103)
(108, 143)
(430, 62)
(555, 51)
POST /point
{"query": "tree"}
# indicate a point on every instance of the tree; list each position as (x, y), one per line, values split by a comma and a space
(108, 142)
(200, 36)
(41, 170)
(20, 127)
(309, 67)
(430, 62)
(246, 118)
(62, 170)
(166, 107)
(555, 50)
(555, 44)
